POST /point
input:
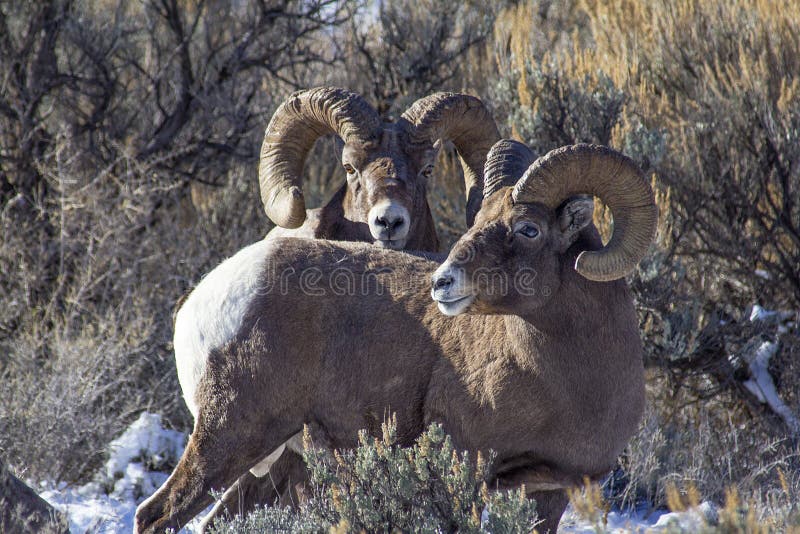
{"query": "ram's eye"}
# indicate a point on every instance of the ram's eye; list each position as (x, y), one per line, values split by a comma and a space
(427, 171)
(349, 169)
(528, 230)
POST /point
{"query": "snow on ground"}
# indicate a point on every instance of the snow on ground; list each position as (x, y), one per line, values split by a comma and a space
(763, 387)
(108, 504)
(760, 382)
(641, 521)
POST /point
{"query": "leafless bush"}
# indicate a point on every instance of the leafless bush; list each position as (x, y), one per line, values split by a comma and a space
(113, 118)
(706, 450)
(405, 50)
(83, 361)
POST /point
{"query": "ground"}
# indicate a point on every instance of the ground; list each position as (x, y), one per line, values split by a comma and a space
(131, 474)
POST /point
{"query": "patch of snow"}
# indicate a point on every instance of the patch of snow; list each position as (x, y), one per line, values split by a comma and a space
(638, 521)
(761, 273)
(760, 382)
(642, 521)
(692, 520)
(784, 319)
(144, 444)
(108, 504)
(90, 509)
(617, 522)
(763, 387)
(760, 314)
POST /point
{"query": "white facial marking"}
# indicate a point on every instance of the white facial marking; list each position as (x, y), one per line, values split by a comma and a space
(213, 314)
(389, 223)
(449, 291)
(456, 307)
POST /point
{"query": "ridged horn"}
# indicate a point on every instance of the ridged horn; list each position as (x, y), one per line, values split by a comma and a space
(618, 182)
(506, 162)
(465, 121)
(296, 125)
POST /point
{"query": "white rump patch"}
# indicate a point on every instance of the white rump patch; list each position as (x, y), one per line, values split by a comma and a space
(213, 314)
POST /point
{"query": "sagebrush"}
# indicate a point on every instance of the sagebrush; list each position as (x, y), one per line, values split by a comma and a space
(382, 487)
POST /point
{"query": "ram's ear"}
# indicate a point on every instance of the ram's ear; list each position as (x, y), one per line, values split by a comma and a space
(573, 216)
(338, 146)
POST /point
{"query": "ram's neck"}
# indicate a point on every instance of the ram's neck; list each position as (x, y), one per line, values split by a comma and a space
(584, 322)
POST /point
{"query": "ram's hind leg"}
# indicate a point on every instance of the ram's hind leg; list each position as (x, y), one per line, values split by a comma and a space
(285, 483)
(290, 480)
(231, 434)
(278, 480)
(550, 506)
(214, 458)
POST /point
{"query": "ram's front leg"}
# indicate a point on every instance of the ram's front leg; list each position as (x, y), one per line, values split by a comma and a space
(545, 484)
(550, 506)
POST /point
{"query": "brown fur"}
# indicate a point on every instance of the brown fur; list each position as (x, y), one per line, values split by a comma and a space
(552, 382)
(391, 163)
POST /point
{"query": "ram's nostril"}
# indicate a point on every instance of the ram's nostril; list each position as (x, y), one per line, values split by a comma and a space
(443, 281)
(390, 223)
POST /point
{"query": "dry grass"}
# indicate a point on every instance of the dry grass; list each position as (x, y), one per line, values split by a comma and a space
(734, 513)
(705, 93)
(722, 79)
(87, 323)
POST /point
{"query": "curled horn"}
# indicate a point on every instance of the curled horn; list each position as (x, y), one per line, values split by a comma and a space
(468, 124)
(506, 162)
(618, 182)
(296, 125)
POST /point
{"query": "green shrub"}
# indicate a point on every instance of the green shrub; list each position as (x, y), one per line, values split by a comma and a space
(383, 487)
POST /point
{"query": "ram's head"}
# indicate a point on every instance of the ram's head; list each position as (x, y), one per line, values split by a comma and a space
(387, 164)
(535, 228)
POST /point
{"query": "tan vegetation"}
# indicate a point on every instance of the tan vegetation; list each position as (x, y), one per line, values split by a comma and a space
(128, 142)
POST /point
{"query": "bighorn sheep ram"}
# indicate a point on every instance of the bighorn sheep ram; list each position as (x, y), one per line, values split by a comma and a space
(387, 165)
(530, 346)
(383, 199)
